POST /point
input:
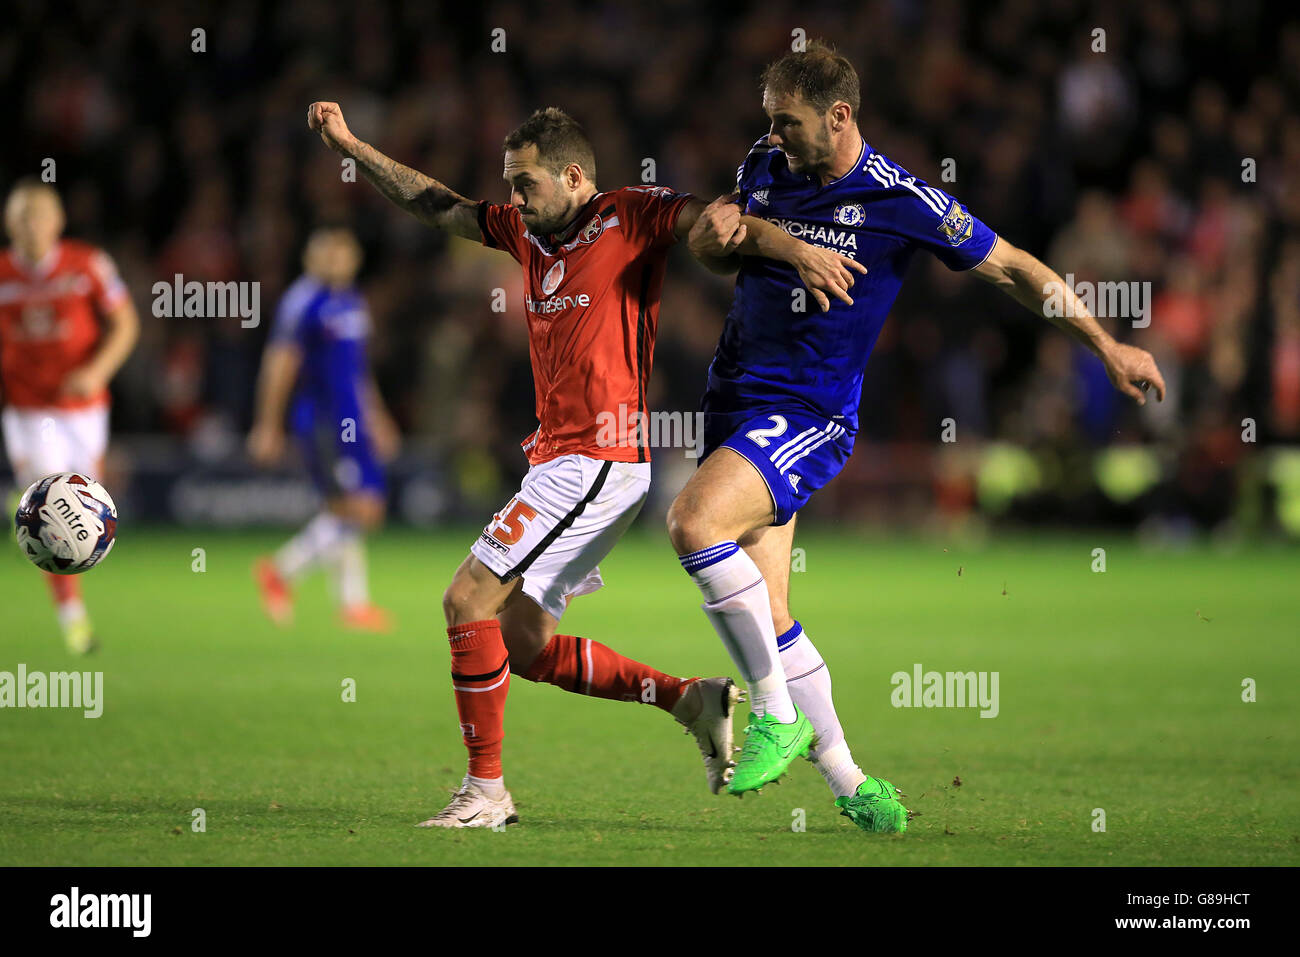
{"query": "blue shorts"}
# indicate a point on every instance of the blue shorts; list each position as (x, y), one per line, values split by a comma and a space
(340, 464)
(796, 452)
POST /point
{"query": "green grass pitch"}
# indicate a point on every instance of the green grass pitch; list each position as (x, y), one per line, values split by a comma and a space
(1119, 690)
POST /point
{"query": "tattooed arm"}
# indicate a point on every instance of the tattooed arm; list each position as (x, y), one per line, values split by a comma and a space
(422, 196)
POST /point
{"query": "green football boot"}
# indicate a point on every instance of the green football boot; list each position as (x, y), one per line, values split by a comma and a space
(769, 748)
(874, 807)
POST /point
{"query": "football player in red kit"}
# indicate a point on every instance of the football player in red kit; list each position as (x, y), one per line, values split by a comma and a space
(66, 326)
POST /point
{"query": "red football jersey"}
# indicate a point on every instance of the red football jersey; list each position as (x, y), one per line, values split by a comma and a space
(49, 321)
(592, 302)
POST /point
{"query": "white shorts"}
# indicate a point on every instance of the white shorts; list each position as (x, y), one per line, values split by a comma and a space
(42, 441)
(567, 516)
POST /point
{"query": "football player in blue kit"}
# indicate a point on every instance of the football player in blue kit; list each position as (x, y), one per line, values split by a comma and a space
(781, 405)
(315, 369)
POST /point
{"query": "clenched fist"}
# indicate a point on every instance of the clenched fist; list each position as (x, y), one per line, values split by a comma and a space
(718, 231)
(327, 119)
(1132, 369)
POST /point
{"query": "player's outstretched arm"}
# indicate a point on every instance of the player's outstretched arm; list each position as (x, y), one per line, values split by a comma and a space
(1032, 283)
(718, 235)
(422, 196)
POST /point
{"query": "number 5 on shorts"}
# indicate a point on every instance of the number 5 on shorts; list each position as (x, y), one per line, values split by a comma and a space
(510, 522)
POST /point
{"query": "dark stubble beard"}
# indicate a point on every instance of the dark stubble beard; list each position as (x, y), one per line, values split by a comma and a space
(553, 223)
(821, 163)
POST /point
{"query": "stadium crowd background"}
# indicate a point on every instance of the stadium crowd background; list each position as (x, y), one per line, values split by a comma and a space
(1123, 165)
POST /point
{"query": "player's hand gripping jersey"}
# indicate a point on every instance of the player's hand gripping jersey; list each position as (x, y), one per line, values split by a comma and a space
(784, 386)
(592, 302)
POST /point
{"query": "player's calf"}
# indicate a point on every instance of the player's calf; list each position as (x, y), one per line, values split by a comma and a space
(587, 667)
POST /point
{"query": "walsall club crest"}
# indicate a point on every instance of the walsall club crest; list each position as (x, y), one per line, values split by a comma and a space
(591, 232)
(554, 276)
(850, 214)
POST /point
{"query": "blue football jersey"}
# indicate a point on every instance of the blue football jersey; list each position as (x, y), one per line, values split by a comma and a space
(330, 327)
(773, 357)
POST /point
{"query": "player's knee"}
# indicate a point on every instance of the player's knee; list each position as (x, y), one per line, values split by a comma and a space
(687, 528)
(461, 602)
(451, 605)
(676, 525)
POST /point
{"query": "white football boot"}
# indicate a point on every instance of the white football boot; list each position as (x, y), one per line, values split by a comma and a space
(705, 711)
(471, 807)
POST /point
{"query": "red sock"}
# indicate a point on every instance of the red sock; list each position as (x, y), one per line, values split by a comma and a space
(587, 667)
(480, 676)
(63, 587)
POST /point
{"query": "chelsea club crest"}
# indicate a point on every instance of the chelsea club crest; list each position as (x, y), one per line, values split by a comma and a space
(850, 214)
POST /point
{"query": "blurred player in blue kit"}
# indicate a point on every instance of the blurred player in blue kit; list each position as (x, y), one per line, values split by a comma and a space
(315, 374)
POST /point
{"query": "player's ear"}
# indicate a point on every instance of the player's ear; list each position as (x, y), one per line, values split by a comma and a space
(841, 116)
(573, 176)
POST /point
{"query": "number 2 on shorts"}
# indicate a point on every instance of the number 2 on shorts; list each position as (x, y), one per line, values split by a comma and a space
(760, 437)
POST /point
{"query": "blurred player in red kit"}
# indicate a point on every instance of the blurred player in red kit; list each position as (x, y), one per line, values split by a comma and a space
(66, 326)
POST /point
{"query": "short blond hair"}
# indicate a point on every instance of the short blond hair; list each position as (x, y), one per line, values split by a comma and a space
(31, 185)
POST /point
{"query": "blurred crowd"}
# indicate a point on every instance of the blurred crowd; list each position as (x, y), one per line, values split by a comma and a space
(1164, 149)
